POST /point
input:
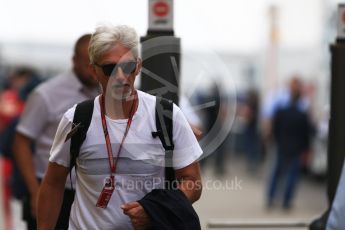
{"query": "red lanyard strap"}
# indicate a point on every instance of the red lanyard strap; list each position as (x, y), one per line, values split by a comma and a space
(112, 163)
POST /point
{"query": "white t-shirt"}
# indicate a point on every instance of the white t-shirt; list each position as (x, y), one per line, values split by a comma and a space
(140, 167)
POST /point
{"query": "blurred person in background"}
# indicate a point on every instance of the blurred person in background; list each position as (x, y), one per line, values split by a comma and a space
(251, 135)
(10, 103)
(213, 120)
(191, 115)
(291, 131)
(38, 124)
(22, 81)
(273, 102)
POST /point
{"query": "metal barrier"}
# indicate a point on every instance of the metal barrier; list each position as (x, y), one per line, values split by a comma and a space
(221, 223)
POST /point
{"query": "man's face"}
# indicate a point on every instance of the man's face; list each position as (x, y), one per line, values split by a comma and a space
(116, 71)
(80, 65)
(295, 88)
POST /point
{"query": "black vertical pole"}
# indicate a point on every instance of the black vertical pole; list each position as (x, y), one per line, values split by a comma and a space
(336, 134)
(336, 141)
(161, 65)
(160, 52)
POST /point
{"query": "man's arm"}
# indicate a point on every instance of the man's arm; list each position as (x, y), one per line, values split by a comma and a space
(23, 156)
(31, 124)
(190, 181)
(50, 196)
(197, 131)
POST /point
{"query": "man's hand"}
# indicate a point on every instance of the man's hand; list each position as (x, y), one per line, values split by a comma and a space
(24, 158)
(140, 220)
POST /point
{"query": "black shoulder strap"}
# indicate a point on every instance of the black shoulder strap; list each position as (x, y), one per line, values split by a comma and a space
(81, 122)
(164, 125)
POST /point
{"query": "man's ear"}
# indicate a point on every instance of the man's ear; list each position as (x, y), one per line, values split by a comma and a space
(92, 70)
(74, 59)
(139, 66)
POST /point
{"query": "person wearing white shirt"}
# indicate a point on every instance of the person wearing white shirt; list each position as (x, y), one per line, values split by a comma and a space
(39, 121)
(119, 162)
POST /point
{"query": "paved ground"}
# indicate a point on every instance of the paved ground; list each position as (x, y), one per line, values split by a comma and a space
(246, 202)
(238, 196)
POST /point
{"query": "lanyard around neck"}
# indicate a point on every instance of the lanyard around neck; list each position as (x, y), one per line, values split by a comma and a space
(112, 163)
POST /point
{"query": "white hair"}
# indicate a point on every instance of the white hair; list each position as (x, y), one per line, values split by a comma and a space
(106, 36)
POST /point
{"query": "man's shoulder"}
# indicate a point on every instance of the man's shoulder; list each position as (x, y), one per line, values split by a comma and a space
(54, 83)
(69, 114)
(147, 99)
(150, 102)
(146, 96)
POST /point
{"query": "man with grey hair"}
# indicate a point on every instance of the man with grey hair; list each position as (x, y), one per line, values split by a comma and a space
(119, 162)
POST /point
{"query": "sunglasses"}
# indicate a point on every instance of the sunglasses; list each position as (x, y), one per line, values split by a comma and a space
(127, 68)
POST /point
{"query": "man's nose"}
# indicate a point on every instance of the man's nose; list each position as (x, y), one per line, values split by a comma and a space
(120, 75)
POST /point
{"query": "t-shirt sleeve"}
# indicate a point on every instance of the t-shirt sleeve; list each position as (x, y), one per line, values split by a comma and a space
(33, 119)
(187, 149)
(60, 151)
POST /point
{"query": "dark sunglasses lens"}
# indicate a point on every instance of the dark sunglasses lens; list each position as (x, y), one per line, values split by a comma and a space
(108, 69)
(111, 69)
(128, 67)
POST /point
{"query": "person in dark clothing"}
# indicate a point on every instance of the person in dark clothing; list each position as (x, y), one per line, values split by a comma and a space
(212, 124)
(252, 142)
(14, 184)
(291, 131)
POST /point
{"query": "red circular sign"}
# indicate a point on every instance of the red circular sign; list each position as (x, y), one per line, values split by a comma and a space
(161, 9)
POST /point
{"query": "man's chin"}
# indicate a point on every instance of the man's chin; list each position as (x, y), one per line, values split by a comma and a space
(121, 95)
